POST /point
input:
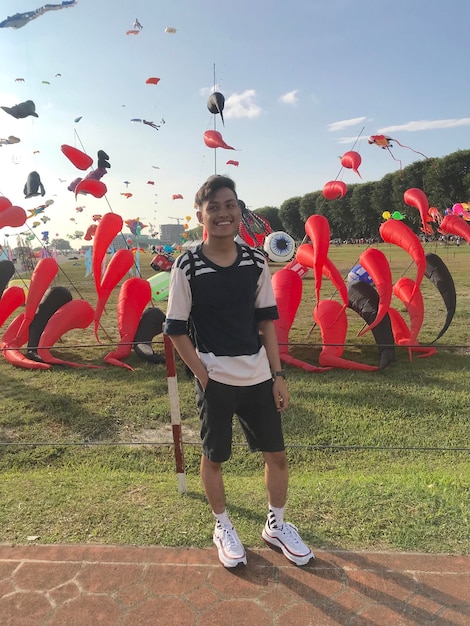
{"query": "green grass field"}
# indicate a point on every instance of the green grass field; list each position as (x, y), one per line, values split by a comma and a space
(379, 460)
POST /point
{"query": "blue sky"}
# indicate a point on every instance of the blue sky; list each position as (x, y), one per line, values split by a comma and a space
(303, 81)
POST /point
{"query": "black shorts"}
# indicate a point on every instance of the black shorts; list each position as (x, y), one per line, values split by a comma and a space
(253, 405)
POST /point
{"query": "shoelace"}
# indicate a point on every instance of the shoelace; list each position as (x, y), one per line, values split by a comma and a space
(231, 536)
(232, 539)
(292, 532)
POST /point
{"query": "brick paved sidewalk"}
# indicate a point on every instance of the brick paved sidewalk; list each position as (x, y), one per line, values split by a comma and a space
(135, 586)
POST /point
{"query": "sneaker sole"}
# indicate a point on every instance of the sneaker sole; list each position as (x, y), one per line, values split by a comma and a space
(227, 562)
(274, 542)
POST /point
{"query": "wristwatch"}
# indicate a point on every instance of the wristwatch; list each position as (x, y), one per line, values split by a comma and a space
(279, 373)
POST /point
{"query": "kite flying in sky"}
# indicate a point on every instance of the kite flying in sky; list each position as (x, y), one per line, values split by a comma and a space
(21, 110)
(148, 123)
(385, 142)
(21, 19)
(9, 140)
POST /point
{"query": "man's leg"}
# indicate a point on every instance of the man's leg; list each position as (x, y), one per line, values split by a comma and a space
(276, 477)
(230, 548)
(276, 532)
(211, 476)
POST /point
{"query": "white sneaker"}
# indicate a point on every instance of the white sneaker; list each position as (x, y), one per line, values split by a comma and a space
(230, 548)
(287, 538)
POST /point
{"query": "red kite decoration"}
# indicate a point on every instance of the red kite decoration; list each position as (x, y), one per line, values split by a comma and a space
(121, 262)
(330, 316)
(453, 225)
(90, 232)
(94, 187)
(401, 333)
(317, 228)
(81, 160)
(12, 216)
(73, 314)
(134, 296)
(305, 256)
(12, 298)
(398, 233)
(376, 265)
(213, 139)
(403, 290)
(287, 286)
(334, 189)
(352, 161)
(110, 224)
(417, 198)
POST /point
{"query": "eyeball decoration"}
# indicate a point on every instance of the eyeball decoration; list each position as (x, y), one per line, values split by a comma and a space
(280, 247)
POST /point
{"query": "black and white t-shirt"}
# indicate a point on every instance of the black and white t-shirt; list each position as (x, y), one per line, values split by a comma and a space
(225, 305)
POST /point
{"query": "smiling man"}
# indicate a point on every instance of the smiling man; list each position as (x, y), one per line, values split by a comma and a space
(221, 291)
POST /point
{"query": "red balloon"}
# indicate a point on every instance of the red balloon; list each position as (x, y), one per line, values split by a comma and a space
(11, 333)
(287, 285)
(44, 273)
(89, 185)
(73, 314)
(121, 262)
(134, 295)
(213, 139)
(401, 335)
(454, 225)
(398, 233)
(4, 203)
(417, 198)
(332, 273)
(109, 226)
(352, 160)
(81, 160)
(331, 317)
(10, 347)
(334, 189)
(12, 216)
(90, 233)
(12, 298)
(403, 289)
(305, 256)
(376, 265)
(16, 334)
(317, 228)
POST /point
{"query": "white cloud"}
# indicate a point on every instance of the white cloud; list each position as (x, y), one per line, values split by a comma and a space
(426, 125)
(350, 140)
(345, 123)
(290, 97)
(243, 104)
(206, 91)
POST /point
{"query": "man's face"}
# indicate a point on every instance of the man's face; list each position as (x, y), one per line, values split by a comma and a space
(221, 214)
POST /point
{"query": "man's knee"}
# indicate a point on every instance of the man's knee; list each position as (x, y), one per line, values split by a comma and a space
(277, 460)
(210, 466)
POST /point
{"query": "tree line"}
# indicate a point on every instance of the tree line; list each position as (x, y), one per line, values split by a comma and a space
(445, 181)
